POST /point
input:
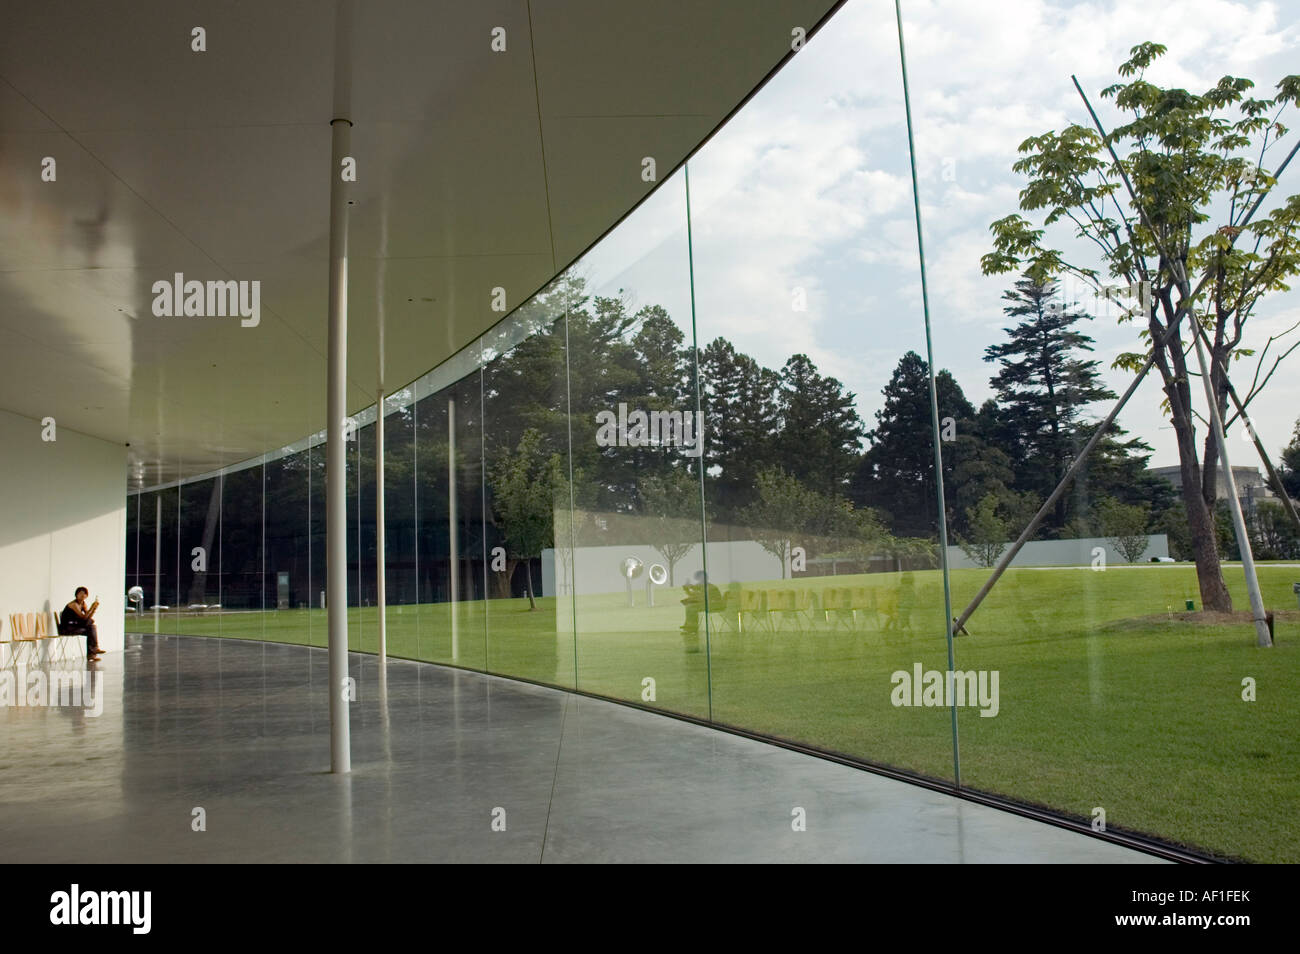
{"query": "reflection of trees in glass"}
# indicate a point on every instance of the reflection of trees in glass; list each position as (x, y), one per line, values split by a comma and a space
(1289, 468)
(1195, 162)
(670, 519)
(896, 474)
(525, 483)
(786, 514)
(1273, 535)
(987, 533)
(1125, 527)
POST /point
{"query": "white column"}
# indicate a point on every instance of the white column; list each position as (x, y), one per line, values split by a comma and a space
(336, 508)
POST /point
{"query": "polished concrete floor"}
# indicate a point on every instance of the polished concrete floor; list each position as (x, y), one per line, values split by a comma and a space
(240, 730)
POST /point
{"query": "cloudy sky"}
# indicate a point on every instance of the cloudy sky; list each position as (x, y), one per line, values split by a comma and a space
(807, 190)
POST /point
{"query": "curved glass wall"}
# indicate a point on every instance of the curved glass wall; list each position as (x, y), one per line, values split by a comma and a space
(696, 472)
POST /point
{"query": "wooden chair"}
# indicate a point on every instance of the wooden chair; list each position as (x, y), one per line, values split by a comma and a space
(23, 627)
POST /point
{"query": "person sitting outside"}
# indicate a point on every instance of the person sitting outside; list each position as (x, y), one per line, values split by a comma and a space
(695, 605)
(77, 619)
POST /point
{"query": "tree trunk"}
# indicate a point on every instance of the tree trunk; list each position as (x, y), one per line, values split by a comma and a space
(528, 575)
(501, 580)
(1172, 363)
(1200, 520)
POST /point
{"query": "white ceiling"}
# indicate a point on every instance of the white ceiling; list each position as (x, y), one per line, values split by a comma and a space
(476, 169)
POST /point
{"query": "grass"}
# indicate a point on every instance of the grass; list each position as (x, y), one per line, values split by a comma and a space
(1111, 696)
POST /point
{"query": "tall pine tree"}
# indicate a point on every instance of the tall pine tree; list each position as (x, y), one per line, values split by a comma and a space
(1044, 384)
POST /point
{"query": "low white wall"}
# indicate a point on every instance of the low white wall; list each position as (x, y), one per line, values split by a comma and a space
(62, 523)
(596, 569)
(1076, 552)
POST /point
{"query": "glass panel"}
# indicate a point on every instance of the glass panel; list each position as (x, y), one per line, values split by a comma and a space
(132, 620)
(148, 503)
(198, 601)
(317, 624)
(287, 583)
(823, 538)
(399, 523)
(242, 554)
(451, 625)
(529, 554)
(169, 561)
(1124, 701)
(636, 485)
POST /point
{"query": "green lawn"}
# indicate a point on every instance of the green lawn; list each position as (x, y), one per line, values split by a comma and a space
(1108, 697)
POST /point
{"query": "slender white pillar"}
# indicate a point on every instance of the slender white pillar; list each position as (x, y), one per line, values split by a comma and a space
(1262, 635)
(336, 506)
(453, 542)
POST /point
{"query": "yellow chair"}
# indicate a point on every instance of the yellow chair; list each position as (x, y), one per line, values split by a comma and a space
(780, 603)
(887, 608)
(861, 600)
(729, 611)
(836, 605)
(753, 604)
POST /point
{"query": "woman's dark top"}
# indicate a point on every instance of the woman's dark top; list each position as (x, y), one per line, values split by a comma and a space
(69, 620)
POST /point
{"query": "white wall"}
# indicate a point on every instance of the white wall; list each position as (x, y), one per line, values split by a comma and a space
(596, 569)
(62, 523)
(1074, 552)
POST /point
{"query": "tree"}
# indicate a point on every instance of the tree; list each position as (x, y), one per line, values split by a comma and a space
(738, 399)
(1125, 527)
(1196, 163)
(896, 474)
(670, 521)
(525, 486)
(1043, 387)
(1289, 471)
(1272, 534)
(820, 435)
(988, 533)
(780, 510)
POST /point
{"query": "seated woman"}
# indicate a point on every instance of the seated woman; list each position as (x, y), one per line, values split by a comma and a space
(78, 619)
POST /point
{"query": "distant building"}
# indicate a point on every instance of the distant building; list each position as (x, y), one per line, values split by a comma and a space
(1251, 485)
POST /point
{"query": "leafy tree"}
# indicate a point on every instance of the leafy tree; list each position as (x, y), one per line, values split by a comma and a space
(525, 489)
(1125, 527)
(988, 532)
(670, 523)
(780, 511)
(1196, 163)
